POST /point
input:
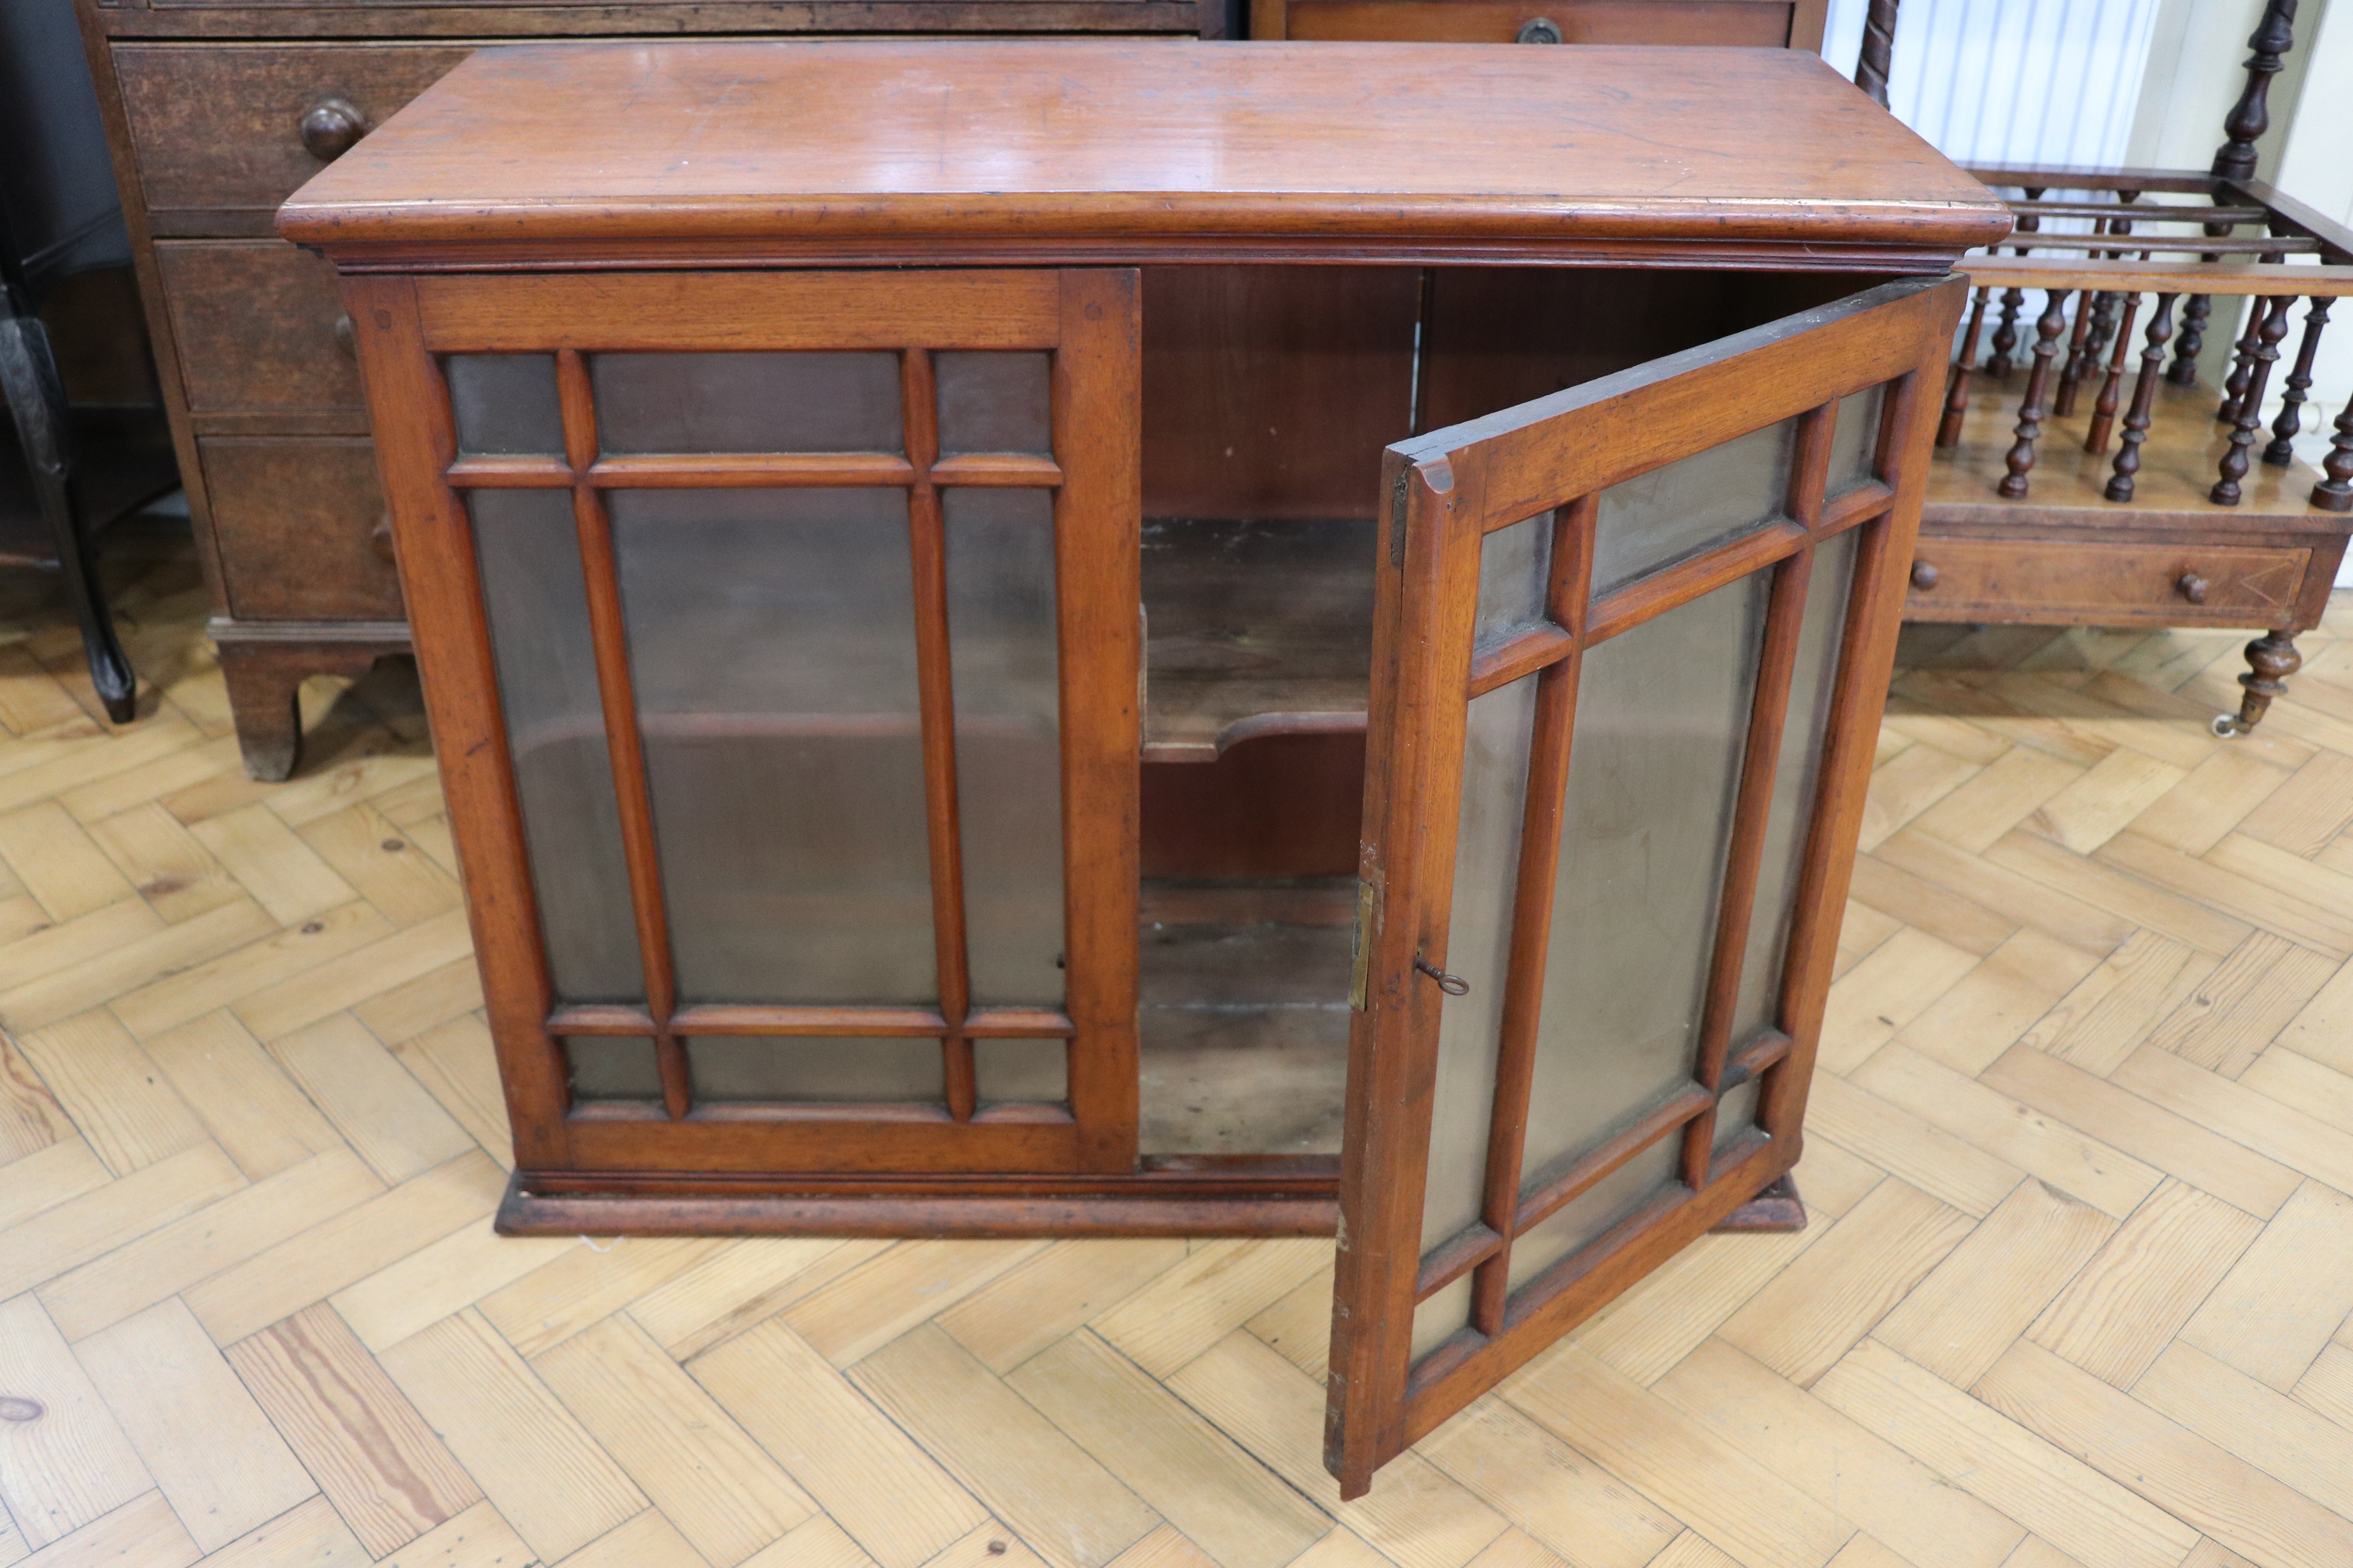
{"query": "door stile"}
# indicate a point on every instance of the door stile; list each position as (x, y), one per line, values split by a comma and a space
(624, 746)
(1866, 663)
(1760, 766)
(1098, 439)
(935, 692)
(440, 576)
(1416, 719)
(1547, 788)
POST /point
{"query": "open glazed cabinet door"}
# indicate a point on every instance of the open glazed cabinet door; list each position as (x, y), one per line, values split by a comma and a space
(1632, 645)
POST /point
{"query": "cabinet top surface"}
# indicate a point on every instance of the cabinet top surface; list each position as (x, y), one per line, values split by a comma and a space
(1345, 145)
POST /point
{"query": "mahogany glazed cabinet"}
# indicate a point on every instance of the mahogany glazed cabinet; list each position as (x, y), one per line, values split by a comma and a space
(932, 754)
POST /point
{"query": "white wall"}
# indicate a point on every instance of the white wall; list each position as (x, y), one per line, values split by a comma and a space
(2138, 82)
(2048, 81)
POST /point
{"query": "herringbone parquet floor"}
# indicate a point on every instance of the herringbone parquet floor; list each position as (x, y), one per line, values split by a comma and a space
(2076, 1290)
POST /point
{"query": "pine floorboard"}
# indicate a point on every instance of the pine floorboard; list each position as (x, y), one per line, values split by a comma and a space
(2078, 1288)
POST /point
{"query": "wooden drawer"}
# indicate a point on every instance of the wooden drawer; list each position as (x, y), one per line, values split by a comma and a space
(261, 333)
(1761, 23)
(217, 128)
(2101, 584)
(301, 529)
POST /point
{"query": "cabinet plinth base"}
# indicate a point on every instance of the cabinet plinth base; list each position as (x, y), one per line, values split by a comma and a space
(1144, 1205)
(1776, 1208)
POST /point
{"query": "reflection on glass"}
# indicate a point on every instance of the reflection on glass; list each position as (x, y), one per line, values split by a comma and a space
(748, 402)
(772, 639)
(1478, 943)
(1735, 1114)
(1000, 548)
(994, 402)
(1515, 564)
(1436, 1319)
(1812, 681)
(537, 604)
(724, 1068)
(615, 1067)
(1693, 503)
(1662, 717)
(505, 404)
(1593, 1212)
(1854, 443)
(1005, 1071)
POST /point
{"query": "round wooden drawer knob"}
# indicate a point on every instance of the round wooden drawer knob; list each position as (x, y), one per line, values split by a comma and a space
(2192, 586)
(380, 538)
(343, 336)
(330, 128)
(1923, 576)
(1538, 30)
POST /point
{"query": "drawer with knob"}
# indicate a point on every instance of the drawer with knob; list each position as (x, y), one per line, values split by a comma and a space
(302, 530)
(264, 345)
(2120, 584)
(1766, 23)
(224, 132)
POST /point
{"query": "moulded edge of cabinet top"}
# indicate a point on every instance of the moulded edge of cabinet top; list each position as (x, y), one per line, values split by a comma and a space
(1113, 142)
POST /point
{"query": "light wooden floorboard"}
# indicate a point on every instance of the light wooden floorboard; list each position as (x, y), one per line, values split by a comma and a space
(2075, 1293)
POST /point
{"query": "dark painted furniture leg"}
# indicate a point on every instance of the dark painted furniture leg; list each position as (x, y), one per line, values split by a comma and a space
(28, 377)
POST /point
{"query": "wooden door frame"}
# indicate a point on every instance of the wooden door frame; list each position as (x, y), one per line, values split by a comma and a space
(1447, 490)
(1087, 320)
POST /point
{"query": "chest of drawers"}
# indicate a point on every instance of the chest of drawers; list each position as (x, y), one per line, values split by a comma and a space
(217, 113)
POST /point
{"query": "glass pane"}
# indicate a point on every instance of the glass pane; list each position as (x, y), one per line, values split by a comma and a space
(1735, 1114)
(1514, 564)
(1662, 716)
(1008, 741)
(1811, 683)
(857, 1067)
(994, 403)
(1478, 941)
(747, 403)
(1854, 443)
(615, 1067)
(505, 404)
(1436, 1319)
(1592, 1212)
(1702, 500)
(1243, 1037)
(1021, 1069)
(772, 637)
(538, 608)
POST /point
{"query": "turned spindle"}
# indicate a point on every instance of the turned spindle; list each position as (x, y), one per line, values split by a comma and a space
(2282, 451)
(2073, 369)
(1874, 65)
(2251, 116)
(2103, 409)
(2335, 493)
(2238, 459)
(2013, 301)
(1957, 387)
(2021, 460)
(2144, 400)
(2194, 312)
(2243, 365)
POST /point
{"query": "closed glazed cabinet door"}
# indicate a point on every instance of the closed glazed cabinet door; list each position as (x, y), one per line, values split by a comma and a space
(800, 839)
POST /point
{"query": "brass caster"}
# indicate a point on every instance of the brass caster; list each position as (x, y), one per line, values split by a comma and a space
(2226, 727)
